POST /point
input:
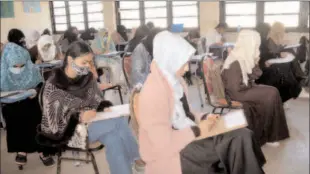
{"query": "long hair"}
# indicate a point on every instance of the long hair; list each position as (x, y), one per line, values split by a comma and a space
(77, 49)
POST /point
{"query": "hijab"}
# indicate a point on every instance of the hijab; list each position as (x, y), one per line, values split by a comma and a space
(70, 35)
(103, 41)
(32, 38)
(46, 32)
(28, 78)
(89, 34)
(246, 52)
(17, 36)
(50, 53)
(121, 29)
(277, 33)
(148, 41)
(141, 32)
(171, 52)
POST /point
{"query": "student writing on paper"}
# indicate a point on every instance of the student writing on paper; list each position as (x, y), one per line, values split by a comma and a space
(22, 118)
(284, 72)
(167, 127)
(262, 104)
(72, 90)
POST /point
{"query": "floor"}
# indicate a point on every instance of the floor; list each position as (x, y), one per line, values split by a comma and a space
(292, 157)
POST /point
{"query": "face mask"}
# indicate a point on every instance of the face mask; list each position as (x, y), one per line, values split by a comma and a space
(80, 71)
(16, 70)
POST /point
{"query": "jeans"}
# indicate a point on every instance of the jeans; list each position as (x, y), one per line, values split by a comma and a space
(121, 146)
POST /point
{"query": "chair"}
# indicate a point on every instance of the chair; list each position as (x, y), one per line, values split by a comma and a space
(46, 141)
(116, 87)
(214, 88)
(126, 66)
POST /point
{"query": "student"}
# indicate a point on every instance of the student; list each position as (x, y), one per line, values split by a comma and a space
(140, 33)
(17, 36)
(88, 35)
(167, 127)
(22, 118)
(47, 49)
(73, 82)
(31, 42)
(150, 25)
(284, 72)
(215, 36)
(70, 36)
(265, 115)
(120, 37)
(46, 32)
(142, 57)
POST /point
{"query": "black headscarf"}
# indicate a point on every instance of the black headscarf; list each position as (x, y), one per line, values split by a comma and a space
(17, 36)
(89, 34)
(148, 41)
(70, 35)
(46, 32)
(121, 29)
(141, 33)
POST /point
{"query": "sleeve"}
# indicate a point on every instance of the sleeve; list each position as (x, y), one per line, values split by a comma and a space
(288, 58)
(139, 71)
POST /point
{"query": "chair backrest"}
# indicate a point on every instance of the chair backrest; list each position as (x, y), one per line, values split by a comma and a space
(126, 66)
(134, 108)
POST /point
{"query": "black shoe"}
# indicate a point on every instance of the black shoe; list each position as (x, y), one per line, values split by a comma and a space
(21, 159)
(47, 161)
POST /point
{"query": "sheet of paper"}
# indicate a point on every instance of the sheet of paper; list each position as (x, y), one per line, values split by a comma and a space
(234, 119)
(291, 46)
(8, 93)
(116, 111)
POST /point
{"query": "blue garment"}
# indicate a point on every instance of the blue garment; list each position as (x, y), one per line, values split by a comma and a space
(29, 77)
(120, 144)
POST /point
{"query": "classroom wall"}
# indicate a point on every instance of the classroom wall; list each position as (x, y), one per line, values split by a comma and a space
(26, 21)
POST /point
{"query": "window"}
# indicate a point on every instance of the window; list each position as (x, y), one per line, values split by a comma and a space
(241, 14)
(81, 14)
(185, 12)
(161, 13)
(285, 12)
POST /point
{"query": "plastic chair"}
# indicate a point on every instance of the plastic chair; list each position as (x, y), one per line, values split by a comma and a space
(214, 88)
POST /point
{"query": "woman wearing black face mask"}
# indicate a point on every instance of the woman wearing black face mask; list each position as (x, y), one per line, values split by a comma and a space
(17, 36)
(75, 84)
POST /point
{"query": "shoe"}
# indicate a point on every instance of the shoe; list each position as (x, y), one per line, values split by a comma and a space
(48, 161)
(21, 159)
(273, 144)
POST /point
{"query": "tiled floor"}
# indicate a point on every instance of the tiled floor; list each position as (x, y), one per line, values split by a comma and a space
(292, 157)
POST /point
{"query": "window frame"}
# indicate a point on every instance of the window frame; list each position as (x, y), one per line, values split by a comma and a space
(260, 15)
(68, 20)
(169, 8)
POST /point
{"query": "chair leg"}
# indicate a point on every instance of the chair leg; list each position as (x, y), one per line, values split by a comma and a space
(222, 111)
(199, 92)
(93, 160)
(120, 95)
(59, 162)
(214, 109)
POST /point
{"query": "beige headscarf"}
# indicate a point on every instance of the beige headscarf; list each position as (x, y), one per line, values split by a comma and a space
(49, 53)
(246, 52)
(277, 33)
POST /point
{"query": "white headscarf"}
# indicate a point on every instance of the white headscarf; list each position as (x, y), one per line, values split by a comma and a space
(171, 52)
(50, 54)
(246, 52)
(32, 38)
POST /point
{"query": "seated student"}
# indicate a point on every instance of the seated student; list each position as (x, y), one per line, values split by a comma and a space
(73, 82)
(103, 44)
(17, 36)
(119, 37)
(142, 57)
(215, 37)
(47, 49)
(167, 126)
(262, 104)
(22, 118)
(284, 73)
(70, 36)
(88, 35)
(140, 33)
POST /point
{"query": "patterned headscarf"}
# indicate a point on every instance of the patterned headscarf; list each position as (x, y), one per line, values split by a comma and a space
(30, 76)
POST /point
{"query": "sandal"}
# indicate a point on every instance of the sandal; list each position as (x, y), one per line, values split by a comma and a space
(48, 161)
(21, 159)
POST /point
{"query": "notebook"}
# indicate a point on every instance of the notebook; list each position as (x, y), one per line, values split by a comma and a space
(291, 46)
(116, 111)
(231, 121)
(14, 96)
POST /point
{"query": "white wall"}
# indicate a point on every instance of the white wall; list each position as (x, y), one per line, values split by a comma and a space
(26, 21)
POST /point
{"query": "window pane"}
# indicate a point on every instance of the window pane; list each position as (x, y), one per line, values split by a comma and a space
(73, 3)
(60, 19)
(183, 2)
(188, 22)
(96, 25)
(129, 4)
(58, 3)
(59, 11)
(240, 8)
(185, 11)
(162, 23)
(155, 4)
(61, 27)
(130, 14)
(282, 7)
(287, 20)
(155, 12)
(93, 2)
(95, 7)
(130, 23)
(79, 25)
(242, 21)
(76, 9)
(77, 18)
(95, 17)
